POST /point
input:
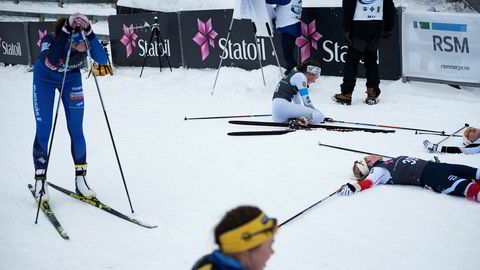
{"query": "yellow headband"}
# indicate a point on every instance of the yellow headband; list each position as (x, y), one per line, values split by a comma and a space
(249, 235)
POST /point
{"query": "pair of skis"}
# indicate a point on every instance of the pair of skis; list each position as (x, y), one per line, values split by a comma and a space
(288, 129)
(47, 210)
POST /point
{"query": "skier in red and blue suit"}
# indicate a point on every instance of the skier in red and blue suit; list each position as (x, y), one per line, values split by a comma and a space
(47, 76)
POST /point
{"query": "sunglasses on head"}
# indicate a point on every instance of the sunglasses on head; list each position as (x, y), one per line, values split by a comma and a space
(272, 229)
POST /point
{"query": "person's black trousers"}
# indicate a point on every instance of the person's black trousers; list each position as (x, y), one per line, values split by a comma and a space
(368, 49)
(288, 47)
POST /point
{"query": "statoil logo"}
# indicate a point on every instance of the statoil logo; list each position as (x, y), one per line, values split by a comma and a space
(308, 40)
(205, 37)
(129, 39)
(11, 48)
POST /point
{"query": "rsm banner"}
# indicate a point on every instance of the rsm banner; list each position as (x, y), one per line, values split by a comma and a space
(130, 39)
(441, 46)
(13, 44)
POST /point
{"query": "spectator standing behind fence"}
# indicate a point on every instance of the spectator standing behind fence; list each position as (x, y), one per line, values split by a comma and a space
(364, 23)
(245, 237)
(287, 24)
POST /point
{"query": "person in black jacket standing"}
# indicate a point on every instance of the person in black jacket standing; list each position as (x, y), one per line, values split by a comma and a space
(364, 23)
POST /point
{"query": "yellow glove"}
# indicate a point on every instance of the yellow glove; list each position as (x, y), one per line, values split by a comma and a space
(101, 70)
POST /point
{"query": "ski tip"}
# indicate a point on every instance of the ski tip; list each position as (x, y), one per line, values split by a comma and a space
(185, 118)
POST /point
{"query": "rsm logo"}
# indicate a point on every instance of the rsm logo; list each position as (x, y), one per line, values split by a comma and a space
(450, 44)
(446, 42)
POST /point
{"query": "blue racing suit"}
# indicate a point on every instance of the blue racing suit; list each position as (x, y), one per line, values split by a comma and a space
(48, 76)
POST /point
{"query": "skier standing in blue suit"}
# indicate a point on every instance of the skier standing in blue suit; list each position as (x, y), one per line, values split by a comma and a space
(48, 75)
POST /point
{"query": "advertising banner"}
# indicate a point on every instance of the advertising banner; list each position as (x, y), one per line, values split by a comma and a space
(13, 45)
(442, 46)
(130, 39)
(204, 38)
(36, 31)
(323, 40)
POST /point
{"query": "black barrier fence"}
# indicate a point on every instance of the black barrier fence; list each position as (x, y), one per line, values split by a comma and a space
(20, 41)
(196, 39)
(13, 43)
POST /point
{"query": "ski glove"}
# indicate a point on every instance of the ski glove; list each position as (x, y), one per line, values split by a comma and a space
(347, 190)
(431, 147)
(80, 22)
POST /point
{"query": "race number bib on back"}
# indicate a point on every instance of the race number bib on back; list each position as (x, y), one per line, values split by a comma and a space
(368, 10)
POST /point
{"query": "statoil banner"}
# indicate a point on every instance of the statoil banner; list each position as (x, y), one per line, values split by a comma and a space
(152, 38)
(13, 43)
(441, 46)
(204, 37)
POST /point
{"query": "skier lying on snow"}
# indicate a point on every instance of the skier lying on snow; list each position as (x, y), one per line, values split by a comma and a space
(453, 179)
(471, 138)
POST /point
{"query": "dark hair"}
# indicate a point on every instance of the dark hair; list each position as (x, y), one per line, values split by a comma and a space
(235, 218)
(59, 24)
(303, 66)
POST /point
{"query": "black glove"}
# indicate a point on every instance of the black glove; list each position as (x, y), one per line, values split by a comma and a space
(348, 38)
(386, 34)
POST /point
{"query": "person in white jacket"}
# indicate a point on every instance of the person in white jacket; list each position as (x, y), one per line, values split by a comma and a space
(287, 24)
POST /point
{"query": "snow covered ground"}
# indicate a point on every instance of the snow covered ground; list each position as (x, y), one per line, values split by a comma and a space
(184, 175)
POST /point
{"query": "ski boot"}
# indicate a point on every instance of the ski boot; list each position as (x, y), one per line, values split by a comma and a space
(372, 95)
(345, 99)
(41, 181)
(81, 186)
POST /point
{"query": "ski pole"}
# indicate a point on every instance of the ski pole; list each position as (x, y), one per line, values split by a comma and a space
(108, 124)
(352, 150)
(226, 116)
(466, 125)
(437, 134)
(387, 126)
(308, 208)
(42, 191)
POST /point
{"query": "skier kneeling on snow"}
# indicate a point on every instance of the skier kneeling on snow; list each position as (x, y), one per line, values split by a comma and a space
(245, 237)
(471, 138)
(453, 179)
(292, 91)
(50, 68)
